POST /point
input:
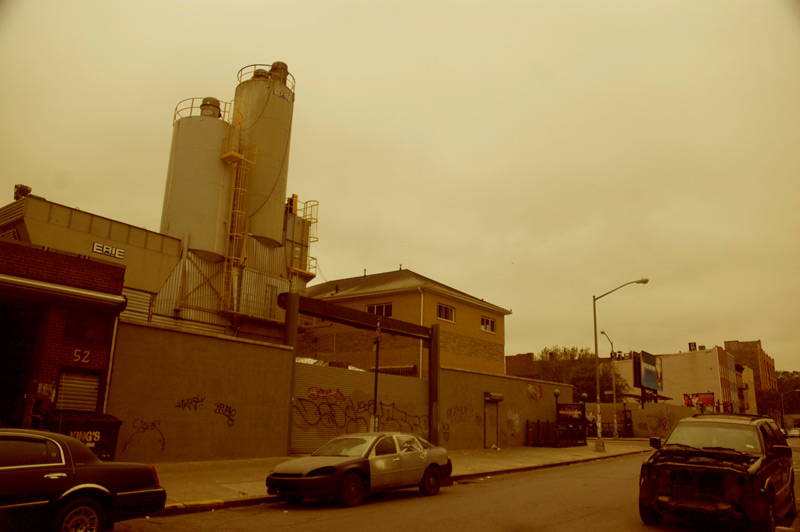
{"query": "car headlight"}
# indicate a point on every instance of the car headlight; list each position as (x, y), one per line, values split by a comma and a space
(322, 471)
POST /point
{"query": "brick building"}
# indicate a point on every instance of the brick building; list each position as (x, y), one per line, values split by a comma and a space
(57, 315)
(752, 355)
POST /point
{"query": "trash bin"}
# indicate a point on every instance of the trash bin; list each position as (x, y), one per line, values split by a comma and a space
(98, 431)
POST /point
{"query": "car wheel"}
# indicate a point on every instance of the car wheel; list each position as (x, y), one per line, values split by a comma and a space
(431, 481)
(791, 513)
(767, 523)
(649, 515)
(352, 490)
(81, 515)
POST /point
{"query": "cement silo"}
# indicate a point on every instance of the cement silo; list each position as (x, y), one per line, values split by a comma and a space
(197, 197)
(263, 106)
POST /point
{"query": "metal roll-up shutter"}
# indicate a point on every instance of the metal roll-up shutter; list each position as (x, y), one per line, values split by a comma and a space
(78, 391)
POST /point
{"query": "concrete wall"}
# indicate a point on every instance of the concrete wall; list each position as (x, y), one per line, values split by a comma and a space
(654, 420)
(463, 411)
(185, 397)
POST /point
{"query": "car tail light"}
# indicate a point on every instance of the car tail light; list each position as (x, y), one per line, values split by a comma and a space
(155, 474)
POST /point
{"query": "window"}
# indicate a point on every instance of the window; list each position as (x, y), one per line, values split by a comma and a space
(383, 309)
(22, 451)
(408, 443)
(443, 312)
(487, 324)
(386, 446)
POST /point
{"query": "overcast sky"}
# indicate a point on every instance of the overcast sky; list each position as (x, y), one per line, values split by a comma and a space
(531, 153)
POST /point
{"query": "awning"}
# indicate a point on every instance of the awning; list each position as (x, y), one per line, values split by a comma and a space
(20, 287)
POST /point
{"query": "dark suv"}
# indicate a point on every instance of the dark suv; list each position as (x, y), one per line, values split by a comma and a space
(731, 467)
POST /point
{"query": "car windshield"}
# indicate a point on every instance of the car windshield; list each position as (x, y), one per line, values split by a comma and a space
(346, 446)
(715, 436)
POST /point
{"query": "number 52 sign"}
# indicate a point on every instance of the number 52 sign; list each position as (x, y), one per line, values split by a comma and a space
(81, 356)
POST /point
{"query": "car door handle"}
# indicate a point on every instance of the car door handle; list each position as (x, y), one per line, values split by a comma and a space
(55, 475)
(396, 459)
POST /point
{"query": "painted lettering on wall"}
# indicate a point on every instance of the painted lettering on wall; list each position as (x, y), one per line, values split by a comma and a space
(191, 403)
(226, 410)
(108, 251)
(81, 355)
(88, 436)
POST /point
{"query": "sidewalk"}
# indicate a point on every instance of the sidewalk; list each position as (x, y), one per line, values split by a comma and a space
(199, 486)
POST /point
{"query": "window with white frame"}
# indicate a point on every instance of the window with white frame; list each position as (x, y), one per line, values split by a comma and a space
(443, 312)
(382, 309)
(487, 324)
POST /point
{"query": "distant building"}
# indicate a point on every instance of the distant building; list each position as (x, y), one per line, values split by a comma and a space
(706, 376)
(472, 330)
(751, 354)
(747, 390)
(524, 365)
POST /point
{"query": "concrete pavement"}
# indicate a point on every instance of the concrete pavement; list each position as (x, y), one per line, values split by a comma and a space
(199, 486)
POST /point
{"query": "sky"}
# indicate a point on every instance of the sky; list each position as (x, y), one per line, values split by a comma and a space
(532, 153)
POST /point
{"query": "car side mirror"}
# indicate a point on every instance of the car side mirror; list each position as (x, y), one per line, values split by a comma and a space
(655, 443)
(781, 451)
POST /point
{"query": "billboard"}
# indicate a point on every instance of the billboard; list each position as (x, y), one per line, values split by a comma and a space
(647, 371)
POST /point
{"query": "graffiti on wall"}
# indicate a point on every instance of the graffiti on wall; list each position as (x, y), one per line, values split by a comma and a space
(534, 392)
(333, 409)
(458, 414)
(190, 403)
(142, 428)
(658, 424)
(227, 411)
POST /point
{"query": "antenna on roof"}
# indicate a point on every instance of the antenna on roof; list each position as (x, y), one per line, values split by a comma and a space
(365, 272)
(401, 265)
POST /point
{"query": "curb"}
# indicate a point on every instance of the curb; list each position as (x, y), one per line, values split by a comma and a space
(522, 469)
(181, 508)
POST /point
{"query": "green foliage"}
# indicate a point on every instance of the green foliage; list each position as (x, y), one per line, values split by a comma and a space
(576, 366)
(769, 401)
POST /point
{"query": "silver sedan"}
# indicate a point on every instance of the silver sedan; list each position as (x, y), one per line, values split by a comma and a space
(352, 466)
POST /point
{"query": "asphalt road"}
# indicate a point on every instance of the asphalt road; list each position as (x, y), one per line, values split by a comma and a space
(597, 496)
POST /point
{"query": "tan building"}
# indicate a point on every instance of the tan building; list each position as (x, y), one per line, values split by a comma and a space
(472, 330)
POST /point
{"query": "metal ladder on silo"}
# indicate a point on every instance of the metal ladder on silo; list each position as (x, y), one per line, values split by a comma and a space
(242, 155)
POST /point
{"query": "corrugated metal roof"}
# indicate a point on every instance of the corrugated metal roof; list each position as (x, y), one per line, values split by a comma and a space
(389, 282)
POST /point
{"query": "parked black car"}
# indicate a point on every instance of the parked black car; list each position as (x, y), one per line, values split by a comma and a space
(53, 482)
(352, 466)
(732, 468)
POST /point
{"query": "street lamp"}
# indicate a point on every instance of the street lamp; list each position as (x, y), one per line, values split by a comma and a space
(599, 446)
(613, 384)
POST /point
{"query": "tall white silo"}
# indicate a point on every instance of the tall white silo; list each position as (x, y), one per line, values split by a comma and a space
(264, 104)
(197, 197)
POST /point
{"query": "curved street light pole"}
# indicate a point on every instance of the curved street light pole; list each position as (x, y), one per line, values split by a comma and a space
(599, 446)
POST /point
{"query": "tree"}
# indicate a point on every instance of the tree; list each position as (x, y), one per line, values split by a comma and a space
(576, 366)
